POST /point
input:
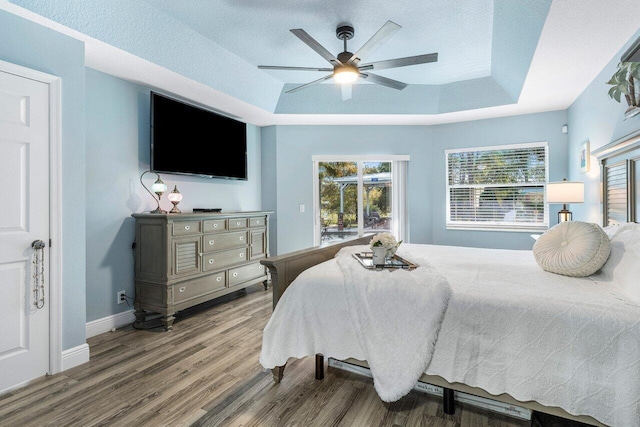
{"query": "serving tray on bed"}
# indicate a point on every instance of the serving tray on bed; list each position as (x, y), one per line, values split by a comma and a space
(396, 261)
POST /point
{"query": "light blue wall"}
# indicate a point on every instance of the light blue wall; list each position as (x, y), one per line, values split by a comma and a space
(30, 45)
(596, 118)
(295, 145)
(508, 130)
(118, 132)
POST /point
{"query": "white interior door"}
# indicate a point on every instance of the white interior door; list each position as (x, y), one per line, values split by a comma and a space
(24, 219)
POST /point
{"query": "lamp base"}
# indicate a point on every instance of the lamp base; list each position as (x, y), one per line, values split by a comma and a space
(175, 210)
(158, 211)
(564, 215)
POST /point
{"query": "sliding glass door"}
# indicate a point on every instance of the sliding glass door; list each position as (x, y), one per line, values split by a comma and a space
(355, 197)
(338, 200)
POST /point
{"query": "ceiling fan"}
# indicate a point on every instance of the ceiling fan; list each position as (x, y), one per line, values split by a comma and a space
(347, 66)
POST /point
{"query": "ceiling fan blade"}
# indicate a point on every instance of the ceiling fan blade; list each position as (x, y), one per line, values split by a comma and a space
(313, 44)
(381, 36)
(384, 81)
(400, 62)
(277, 67)
(346, 91)
(310, 83)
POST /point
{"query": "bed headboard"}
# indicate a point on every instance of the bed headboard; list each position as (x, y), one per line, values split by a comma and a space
(620, 172)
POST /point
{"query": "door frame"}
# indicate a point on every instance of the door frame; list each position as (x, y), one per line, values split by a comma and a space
(55, 206)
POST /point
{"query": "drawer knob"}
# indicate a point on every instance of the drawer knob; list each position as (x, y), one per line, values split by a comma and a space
(215, 225)
(211, 242)
(182, 288)
(187, 227)
(241, 238)
(241, 255)
(218, 279)
(235, 274)
(260, 267)
(237, 222)
(211, 261)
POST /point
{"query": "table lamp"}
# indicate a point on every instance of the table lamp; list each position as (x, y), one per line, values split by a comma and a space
(157, 187)
(565, 192)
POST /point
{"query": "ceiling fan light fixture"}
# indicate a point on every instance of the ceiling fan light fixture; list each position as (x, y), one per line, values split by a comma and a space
(345, 74)
(346, 65)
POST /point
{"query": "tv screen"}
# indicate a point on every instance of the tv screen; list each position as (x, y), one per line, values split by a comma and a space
(190, 140)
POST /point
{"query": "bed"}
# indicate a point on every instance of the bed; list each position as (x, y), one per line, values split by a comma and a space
(509, 330)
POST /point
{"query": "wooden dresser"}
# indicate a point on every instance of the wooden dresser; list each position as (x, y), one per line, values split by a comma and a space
(186, 259)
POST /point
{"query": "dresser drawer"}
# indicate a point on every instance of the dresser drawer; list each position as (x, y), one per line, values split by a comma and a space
(258, 221)
(210, 225)
(198, 287)
(217, 260)
(184, 228)
(216, 242)
(246, 272)
(235, 223)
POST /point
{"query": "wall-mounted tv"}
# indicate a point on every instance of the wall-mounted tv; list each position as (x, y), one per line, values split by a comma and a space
(190, 140)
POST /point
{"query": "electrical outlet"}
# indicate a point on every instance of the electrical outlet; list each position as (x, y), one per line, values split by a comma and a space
(120, 297)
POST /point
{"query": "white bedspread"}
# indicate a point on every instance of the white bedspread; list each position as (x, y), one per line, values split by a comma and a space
(510, 327)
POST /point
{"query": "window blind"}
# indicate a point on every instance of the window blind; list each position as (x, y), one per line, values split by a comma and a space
(497, 187)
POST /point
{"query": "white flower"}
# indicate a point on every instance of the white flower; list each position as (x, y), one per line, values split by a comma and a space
(387, 241)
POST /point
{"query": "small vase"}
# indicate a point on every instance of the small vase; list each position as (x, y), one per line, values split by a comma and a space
(379, 255)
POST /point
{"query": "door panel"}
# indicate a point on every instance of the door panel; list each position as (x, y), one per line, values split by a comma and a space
(338, 200)
(24, 178)
(343, 213)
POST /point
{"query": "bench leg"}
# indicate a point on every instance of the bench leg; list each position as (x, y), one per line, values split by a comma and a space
(278, 373)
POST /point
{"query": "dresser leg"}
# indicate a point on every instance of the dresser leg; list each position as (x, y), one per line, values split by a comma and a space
(141, 315)
(167, 321)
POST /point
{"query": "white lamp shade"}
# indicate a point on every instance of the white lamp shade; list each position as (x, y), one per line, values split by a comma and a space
(158, 186)
(175, 196)
(565, 192)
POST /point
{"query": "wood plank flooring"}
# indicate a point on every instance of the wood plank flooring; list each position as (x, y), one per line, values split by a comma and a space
(206, 372)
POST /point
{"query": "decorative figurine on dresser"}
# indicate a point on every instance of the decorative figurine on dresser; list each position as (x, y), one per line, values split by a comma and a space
(187, 259)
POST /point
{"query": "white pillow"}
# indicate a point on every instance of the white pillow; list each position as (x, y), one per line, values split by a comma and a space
(572, 248)
(622, 267)
(612, 229)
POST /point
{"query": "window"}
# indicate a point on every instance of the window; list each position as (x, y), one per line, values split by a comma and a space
(501, 187)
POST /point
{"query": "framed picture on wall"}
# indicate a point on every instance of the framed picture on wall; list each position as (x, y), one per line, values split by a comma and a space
(584, 157)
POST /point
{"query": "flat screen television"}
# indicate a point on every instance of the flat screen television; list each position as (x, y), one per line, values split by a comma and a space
(190, 140)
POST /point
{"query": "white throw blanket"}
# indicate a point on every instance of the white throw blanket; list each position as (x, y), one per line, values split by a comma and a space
(349, 311)
(397, 343)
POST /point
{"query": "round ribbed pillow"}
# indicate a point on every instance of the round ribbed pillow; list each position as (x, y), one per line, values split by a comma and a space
(572, 248)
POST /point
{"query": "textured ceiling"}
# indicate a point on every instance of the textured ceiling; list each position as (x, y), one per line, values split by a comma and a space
(495, 58)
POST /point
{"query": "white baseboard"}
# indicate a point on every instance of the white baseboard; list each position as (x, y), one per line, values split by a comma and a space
(75, 356)
(106, 324)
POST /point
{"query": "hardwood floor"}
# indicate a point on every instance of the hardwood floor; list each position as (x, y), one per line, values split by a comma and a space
(205, 372)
